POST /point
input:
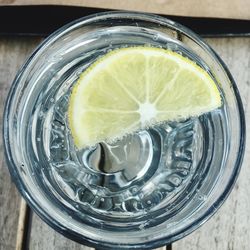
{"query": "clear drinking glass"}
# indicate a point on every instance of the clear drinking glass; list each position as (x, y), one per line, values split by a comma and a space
(146, 190)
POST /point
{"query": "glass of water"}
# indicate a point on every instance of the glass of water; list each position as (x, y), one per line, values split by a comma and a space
(150, 188)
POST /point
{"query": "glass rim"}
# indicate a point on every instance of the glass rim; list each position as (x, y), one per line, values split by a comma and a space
(59, 227)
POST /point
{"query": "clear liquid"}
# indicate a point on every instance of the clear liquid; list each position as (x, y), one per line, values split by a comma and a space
(163, 167)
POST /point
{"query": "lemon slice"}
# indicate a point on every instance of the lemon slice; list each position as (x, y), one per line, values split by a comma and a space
(132, 88)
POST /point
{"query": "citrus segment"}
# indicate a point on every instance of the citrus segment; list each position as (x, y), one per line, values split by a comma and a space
(132, 88)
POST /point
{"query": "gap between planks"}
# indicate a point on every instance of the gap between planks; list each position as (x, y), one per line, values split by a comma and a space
(23, 226)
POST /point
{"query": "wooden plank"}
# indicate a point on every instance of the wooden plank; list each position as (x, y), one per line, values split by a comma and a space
(229, 228)
(42, 237)
(225, 228)
(22, 226)
(238, 9)
(12, 54)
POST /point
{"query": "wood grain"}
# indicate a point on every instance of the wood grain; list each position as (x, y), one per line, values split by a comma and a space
(229, 228)
(238, 9)
(12, 54)
(22, 226)
(43, 237)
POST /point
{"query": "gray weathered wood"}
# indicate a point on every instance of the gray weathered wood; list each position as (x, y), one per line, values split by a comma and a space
(22, 226)
(229, 229)
(43, 237)
(237, 9)
(12, 54)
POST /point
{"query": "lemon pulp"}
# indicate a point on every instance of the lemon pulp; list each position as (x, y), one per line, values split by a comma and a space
(137, 87)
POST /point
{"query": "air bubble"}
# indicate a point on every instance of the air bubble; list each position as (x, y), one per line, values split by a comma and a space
(155, 37)
(149, 202)
(185, 172)
(141, 195)
(202, 197)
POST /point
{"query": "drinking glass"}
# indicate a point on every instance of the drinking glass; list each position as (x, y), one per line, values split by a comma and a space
(150, 188)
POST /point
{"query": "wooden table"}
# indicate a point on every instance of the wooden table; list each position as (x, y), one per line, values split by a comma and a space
(229, 229)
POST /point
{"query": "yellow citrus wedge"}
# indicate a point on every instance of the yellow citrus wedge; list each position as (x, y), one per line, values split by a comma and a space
(133, 88)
